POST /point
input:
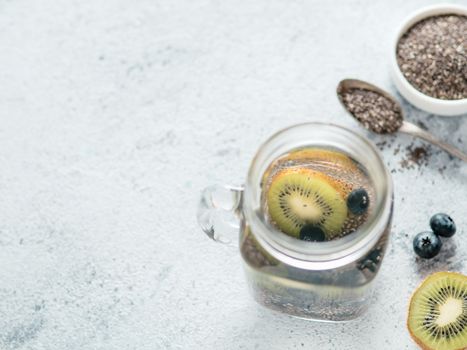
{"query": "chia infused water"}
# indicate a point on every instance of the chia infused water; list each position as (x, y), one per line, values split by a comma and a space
(327, 294)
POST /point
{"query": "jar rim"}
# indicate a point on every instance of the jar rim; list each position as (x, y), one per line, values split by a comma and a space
(316, 255)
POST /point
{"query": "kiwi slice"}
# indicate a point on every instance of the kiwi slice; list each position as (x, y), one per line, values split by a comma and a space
(326, 156)
(438, 312)
(329, 160)
(302, 196)
(329, 163)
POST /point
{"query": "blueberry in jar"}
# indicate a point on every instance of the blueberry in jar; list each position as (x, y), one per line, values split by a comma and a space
(312, 233)
(358, 201)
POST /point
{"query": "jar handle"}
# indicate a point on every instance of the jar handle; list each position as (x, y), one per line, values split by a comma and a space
(219, 212)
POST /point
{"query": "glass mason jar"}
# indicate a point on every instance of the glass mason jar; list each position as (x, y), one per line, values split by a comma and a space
(327, 281)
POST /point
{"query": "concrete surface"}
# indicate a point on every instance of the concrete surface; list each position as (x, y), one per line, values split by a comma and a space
(115, 114)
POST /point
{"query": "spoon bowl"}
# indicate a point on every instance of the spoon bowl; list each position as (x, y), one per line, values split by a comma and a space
(348, 85)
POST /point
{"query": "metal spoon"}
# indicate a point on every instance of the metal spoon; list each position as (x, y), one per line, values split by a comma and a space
(351, 84)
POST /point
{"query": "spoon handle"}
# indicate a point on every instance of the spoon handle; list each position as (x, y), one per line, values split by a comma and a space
(414, 130)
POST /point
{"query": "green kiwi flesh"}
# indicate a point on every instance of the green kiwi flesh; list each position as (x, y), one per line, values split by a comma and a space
(299, 197)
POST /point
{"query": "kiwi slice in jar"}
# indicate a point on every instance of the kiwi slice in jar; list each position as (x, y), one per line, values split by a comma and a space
(299, 197)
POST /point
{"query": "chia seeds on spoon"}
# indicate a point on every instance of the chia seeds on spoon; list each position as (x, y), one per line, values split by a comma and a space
(374, 111)
(432, 56)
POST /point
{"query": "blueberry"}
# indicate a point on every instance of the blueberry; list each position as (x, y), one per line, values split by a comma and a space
(312, 233)
(427, 245)
(358, 201)
(368, 264)
(375, 255)
(443, 225)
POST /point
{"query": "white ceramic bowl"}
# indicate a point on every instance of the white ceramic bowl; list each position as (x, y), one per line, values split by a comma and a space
(417, 98)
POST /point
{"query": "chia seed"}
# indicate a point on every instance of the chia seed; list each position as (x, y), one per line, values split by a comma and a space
(432, 56)
(374, 111)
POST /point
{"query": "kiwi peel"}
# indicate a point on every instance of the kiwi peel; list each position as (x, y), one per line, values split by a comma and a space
(297, 197)
(437, 318)
(325, 155)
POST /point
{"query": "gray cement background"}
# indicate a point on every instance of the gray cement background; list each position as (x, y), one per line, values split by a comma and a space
(115, 114)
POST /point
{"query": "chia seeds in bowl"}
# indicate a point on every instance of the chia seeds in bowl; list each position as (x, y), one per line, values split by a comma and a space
(432, 56)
